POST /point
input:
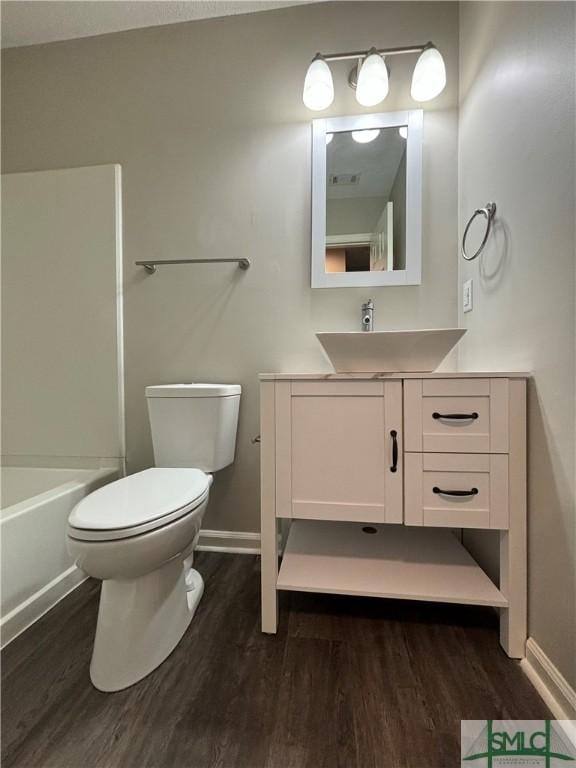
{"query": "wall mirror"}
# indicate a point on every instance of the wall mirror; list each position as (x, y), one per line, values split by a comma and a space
(367, 200)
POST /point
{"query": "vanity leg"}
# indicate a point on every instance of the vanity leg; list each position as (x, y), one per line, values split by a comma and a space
(269, 598)
(268, 520)
(513, 542)
(513, 620)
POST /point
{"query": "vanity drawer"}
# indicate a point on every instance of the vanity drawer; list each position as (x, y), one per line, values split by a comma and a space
(475, 490)
(456, 415)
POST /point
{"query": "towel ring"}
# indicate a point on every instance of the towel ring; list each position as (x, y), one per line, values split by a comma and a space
(488, 212)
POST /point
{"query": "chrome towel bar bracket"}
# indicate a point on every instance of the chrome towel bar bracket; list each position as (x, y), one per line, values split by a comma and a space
(489, 211)
(151, 265)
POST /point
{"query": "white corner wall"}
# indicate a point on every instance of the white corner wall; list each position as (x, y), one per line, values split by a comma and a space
(62, 378)
(517, 147)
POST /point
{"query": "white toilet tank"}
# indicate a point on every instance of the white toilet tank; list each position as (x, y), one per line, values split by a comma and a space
(194, 425)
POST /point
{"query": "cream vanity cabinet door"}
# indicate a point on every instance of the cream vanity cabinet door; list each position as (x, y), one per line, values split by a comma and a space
(339, 450)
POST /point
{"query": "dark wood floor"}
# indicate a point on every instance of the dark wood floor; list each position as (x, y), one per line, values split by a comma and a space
(356, 683)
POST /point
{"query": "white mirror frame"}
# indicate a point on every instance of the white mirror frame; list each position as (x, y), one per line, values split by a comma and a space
(412, 274)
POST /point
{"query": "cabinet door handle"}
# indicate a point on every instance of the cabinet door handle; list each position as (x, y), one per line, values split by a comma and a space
(471, 492)
(394, 436)
(457, 416)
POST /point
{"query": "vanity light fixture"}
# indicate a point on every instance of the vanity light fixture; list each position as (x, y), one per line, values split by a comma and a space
(366, 136)
(318, 85)
(403, 131)
(429, 78)
(329, 137)
(369, 78)
(372, 86)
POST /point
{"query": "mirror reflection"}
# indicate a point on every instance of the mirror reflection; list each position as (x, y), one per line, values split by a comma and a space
(366, 200)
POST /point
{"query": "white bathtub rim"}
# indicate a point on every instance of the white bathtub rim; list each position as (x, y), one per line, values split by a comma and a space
(37, 605)
(33, 461)
(21, 507)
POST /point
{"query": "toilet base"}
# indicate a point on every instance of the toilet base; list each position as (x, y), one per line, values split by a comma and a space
(140, 622)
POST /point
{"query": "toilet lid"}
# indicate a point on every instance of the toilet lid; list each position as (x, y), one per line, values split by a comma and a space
(140, 499)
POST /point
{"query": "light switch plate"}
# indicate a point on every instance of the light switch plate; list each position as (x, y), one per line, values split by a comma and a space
(467, 296)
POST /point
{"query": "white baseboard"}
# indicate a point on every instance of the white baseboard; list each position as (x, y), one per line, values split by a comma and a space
(554, 689)
(32, 609)
(237, 542)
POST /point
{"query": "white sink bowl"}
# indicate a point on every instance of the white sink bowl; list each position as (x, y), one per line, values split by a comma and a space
(389, 351)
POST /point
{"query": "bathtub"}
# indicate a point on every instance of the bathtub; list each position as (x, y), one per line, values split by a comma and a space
(37, 571)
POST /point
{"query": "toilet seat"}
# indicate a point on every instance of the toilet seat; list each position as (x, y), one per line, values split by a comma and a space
(138, 503)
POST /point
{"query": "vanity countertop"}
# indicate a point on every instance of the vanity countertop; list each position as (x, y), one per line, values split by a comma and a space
(412, 375)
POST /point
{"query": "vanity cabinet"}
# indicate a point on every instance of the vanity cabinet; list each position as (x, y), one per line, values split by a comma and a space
(366, 478)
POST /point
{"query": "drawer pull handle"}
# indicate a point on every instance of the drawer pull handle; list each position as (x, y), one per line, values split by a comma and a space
(471, 492)
(394, 436)
(457, 416)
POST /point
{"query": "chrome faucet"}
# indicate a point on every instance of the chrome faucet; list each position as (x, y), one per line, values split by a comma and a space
(368, 316)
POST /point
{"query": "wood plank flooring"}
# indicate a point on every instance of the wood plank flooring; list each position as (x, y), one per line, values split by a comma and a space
(347, 682)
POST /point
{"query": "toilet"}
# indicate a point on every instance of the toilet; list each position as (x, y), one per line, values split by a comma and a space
(138, 534)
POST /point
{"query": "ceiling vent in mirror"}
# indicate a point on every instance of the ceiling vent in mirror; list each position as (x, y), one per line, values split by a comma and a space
(343, 179)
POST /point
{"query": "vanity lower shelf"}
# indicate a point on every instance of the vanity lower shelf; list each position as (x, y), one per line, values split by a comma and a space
(395, 562)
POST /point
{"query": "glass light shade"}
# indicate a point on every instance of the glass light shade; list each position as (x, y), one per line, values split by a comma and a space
(329, 137)
(429, 78)
(403, 131)
(318, 86)
(365, 137)
(372, 86)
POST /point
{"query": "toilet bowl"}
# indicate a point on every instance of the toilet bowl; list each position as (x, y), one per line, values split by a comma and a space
(138, 534)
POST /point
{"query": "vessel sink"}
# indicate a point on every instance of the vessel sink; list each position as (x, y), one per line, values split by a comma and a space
(389, 351)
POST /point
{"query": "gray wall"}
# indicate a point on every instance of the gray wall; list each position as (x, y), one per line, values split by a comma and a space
(517, 128)
(208, 123)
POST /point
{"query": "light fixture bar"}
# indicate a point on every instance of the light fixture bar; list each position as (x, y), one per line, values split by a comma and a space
(381, 51)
